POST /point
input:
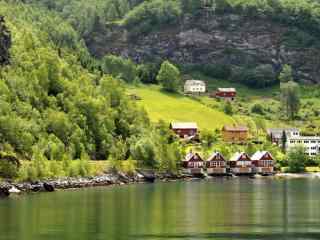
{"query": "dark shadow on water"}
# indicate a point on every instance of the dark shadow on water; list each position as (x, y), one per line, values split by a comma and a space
(238, 236)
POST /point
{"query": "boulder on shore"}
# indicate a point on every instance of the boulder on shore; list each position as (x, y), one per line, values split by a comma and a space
(48, 187)
(4, 192)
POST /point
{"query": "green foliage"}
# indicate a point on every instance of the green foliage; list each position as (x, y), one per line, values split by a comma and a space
(257, 108)
(290, 99)
(297, 159)
(120, 68)
(169, 77)
(286, 74)
(227, 108)
(151, 14)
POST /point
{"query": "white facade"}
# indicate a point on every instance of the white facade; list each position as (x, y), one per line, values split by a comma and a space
(311, 144)
(194, 86)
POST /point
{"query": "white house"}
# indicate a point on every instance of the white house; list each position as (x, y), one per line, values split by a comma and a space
(276, 133)
(311, 144)
(194, 86)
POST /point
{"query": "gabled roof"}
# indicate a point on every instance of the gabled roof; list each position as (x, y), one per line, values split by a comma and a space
(237, 156)
(195, 82)
(184, 125)
(259, 155)
(216, 155)
(238, 128)
(192, 157)
(227, 90)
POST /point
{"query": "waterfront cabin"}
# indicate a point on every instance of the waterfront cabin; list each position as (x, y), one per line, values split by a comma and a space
(193, 164)
(194, 87)
(235, 134)
(226, 94)
(241, 164)
(263, 163)
(275, 134)
(216, 164)
(186, 130)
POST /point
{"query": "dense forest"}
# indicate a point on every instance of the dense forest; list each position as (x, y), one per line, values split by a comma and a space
(53, 108)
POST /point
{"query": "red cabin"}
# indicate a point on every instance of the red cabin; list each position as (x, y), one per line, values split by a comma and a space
(241, 163)
(193, 163)
(226, 93)
(263, 163)
(216, 164)
(185, 130)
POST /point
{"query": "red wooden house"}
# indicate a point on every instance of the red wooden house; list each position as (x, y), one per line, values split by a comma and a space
(263, 163)
(185, 130)
(226, 93)
(241, 163)
(193, 164)
(216, 164)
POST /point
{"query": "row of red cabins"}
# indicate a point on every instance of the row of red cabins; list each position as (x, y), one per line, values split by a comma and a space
(261, 162)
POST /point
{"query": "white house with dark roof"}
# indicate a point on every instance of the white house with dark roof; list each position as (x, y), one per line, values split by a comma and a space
(276, 133)
(194, 86)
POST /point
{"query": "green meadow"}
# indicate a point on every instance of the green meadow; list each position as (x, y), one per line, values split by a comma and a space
(174, 107)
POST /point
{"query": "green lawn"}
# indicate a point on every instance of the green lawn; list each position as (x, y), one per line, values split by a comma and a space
(175, 107)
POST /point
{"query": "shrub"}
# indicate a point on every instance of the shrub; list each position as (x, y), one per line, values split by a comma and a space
(297, 159)
(257, 108)
(8, 169)
(228, 108)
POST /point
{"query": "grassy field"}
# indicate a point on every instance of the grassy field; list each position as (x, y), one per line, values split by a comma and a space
(174, 107)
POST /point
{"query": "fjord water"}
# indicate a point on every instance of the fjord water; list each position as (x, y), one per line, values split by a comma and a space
(238, 208)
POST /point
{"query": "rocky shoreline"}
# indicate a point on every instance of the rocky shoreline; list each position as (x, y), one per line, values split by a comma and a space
(7, 188)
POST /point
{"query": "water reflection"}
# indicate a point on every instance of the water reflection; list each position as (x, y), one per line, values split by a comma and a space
(240, 208)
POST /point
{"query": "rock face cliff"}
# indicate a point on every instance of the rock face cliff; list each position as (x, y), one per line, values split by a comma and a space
(231, 40)
(5, 42)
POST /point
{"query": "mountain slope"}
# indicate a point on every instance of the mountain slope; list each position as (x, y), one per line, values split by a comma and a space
(5, 42)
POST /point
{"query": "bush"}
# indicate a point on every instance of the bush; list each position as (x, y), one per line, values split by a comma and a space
(297, 159)
(228, 108)
(257, 108)
(8, 169)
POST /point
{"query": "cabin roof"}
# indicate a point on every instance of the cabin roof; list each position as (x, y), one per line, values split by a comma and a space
(190, 156)
(237, 156)
(214, 155)
(239, 128)
(194, 82)
(227, 90)
(259, 155)
(184, 125)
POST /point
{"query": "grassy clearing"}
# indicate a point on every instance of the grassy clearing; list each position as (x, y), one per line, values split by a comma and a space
(175, 107)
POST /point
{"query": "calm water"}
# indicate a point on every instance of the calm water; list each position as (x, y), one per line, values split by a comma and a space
(218, 209)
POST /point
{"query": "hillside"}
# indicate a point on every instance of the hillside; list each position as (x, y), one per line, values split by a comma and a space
(5, 42)
(172, 107)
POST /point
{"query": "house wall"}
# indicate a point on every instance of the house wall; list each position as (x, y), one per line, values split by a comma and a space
(186, 132)
(194, 89)
(311, 144)
(234, 136)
